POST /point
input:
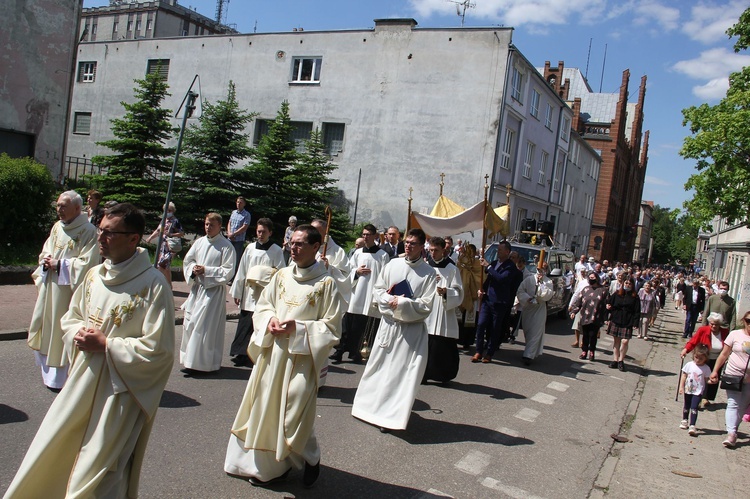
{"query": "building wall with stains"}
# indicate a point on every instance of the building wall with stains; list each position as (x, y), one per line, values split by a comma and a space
(38, 39)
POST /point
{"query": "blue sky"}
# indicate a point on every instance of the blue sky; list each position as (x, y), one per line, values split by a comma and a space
(680, 45)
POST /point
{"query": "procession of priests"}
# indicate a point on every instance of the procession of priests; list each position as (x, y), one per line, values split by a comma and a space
(105, 312)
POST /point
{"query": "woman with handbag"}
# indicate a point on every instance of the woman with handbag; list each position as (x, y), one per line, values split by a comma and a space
(736, 378)
(171, 243)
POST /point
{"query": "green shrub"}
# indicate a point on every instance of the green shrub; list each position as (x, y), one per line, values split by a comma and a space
(26, 195)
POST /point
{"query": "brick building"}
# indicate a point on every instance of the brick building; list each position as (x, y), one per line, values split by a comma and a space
(613, 127)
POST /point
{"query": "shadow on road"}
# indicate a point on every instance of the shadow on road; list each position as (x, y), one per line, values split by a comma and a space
(423, 431)
(9, 414)
(345, 395)
(174, 400)
(495, 393)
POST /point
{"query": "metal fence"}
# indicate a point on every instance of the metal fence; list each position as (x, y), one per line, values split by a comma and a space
(77, 170)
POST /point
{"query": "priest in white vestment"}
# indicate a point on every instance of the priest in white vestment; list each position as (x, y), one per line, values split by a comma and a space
(297, 322)
(389, 384)
(335, 259)
(119, 338)
(208, 267)
(442, 323)
(533, 294)
(260, 261)
(363, 317)
(68, 254)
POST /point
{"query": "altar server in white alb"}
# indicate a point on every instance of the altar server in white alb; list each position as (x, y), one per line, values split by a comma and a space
(260, 261)
(297, 322)
(442, 323)
(404, 294)
(119, 338)
(363, 315)
(208, 267)
(68, 254)
(533, 294)
(337, 262)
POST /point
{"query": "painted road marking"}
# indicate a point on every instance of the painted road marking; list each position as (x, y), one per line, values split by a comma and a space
(527, 414)
(568, 374)
(559, 387)
(474, 462)
(508, 431)
(433, 493)
(508, 490)
(544, 398)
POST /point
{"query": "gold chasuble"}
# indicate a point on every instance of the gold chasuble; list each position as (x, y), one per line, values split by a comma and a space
(93, 438)
(273, 430)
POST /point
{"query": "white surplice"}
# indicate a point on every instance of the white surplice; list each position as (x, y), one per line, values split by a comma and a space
(74, 244)
(205, 309)
(338, 267)
(255, 271)
(363, 286)
(397, 362)
(93, 439)
(273, 429)
(534, 315)
(442, 321)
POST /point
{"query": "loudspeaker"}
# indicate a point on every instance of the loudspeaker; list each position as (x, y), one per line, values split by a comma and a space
(546, 227)
(528, 224)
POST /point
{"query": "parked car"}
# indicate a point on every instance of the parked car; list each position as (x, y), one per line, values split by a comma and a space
(556, 260)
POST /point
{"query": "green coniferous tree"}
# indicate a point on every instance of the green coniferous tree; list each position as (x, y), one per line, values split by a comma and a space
(267, 177)
(312, 186)
(209, 180)
(139, 170)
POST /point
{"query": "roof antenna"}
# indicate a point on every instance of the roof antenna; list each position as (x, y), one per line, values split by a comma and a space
(604, 63)
(588, 58)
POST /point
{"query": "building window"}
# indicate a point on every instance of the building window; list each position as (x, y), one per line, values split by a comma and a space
(82, 123)
(528, 159)
(548, 117)
(158, 66)
(516, 84)
(197, 28)
(575, 153)
(543, 167)
(115, 27)
(333, 137)
(86, 72)
(130, 25)
(566, 128)
(301, 131)
(94, 29)
(138, 25)
(556, 176)
(306, 69)
(507, 149)
(185, 27)
(535, 98)
(149, 24)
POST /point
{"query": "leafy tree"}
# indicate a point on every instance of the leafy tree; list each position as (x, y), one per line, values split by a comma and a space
(138, 173)
(720, 143)
(268, 183)
(684, 238)
(27, 194)
(209, 179)
(661, 231)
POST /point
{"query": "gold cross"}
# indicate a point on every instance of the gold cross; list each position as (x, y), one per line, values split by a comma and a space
(442, 182)
(96, 320)
(410, 191)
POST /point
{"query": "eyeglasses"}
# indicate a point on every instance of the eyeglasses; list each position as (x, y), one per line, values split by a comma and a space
(109, 233)
(747, 321)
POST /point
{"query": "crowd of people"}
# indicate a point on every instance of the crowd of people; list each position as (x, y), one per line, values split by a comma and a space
(401, 305)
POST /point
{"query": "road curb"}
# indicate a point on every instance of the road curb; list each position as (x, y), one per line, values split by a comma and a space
(22, 334)
(609, 466)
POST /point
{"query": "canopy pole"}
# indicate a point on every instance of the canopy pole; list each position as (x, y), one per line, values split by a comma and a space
(408, 216)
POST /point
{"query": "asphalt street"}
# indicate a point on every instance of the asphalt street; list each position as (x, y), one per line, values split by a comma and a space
(498, 430)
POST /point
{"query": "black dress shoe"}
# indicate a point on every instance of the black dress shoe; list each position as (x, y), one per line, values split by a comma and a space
(613, 364)
(384, 430)
(526, 361)
(621, 366)
(311, 474)
(338, 356)
(260, 483)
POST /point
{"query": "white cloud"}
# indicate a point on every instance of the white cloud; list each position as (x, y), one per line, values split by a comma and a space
(649, 180)
(712, 64)
(713, 90)
(709, 22)
(667, 18)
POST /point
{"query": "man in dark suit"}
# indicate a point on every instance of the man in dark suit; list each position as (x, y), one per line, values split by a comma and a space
(695, 300)
(498, 294)
(392, 245)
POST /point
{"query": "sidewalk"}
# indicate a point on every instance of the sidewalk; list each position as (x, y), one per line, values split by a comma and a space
(17, 306)
(661, 460)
